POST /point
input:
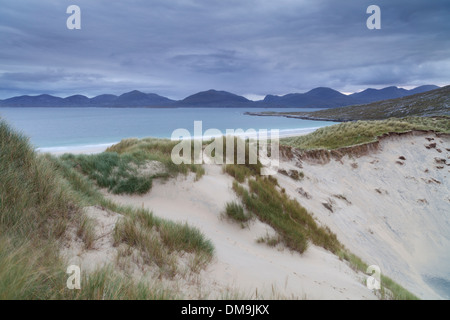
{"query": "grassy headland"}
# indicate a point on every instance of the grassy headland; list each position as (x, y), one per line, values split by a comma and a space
(353, 133)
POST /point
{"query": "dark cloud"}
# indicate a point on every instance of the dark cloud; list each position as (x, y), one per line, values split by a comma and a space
(257, 47)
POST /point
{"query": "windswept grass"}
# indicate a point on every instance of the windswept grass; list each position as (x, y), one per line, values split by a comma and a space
(394, 290)
(112, 171)
(33, 200)
(121, 169)
(157, 150)
(36, 206)
(294, 224)
(108, 284)
(353, 133)
(161, 241)
(241, 171)
(40, 198)
(235, 212)
(86, 231)
(271, 241)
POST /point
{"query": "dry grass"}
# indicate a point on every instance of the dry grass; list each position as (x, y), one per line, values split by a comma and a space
(292, 222)
(40, 198)
(353, 133)
(162, 242)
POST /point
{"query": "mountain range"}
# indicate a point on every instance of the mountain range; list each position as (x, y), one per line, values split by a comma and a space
(316, 98)
(426, 104)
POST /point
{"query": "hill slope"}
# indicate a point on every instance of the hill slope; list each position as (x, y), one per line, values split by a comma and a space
(372, 95)
(430, 103)
(318, 97)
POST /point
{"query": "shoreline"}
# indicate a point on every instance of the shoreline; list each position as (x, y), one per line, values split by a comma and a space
(293, 116)
(83, 149)
(101, 147)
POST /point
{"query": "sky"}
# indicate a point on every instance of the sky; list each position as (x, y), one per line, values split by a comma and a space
(249, 47)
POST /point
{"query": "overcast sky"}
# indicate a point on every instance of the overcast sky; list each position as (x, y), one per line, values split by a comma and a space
(249, 47)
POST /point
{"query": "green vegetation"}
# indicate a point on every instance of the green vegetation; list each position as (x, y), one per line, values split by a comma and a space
(296, 227)
(397, 292)
(242, 171)
(131, 165)
(159, 241)
(41, 197)
(156, 150)
(394, 290)
(108, 284)
(110, 170)
(236, 212)
(353, 133)
(294, 224)
(271, 241)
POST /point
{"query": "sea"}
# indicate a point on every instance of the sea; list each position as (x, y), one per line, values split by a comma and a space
(58, 130)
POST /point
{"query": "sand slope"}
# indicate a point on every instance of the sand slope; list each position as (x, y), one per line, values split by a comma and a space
(241, 264)
(391, 212)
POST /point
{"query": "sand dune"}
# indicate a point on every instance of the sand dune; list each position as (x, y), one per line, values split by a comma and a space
(391, 207)
(241, 264)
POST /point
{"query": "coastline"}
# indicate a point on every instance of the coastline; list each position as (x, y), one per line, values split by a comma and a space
(293, 116)
(99, 148)
(84, 149)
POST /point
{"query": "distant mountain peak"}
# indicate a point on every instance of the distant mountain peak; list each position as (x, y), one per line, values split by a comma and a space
(320, 97)
(214, 97)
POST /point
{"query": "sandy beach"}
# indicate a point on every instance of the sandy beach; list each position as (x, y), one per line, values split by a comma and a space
(98, 148)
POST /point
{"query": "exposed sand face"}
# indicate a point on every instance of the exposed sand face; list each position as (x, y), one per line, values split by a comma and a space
(241, 263)
(395, 215)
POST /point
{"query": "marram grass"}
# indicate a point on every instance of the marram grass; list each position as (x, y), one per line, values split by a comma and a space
(40, 197)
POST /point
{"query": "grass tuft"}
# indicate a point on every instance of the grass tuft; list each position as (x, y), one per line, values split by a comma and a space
(294, 224)
(235, 212)
(159, 239)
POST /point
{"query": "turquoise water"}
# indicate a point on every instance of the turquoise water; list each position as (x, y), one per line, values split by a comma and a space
(53, 128)
(439, 284)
